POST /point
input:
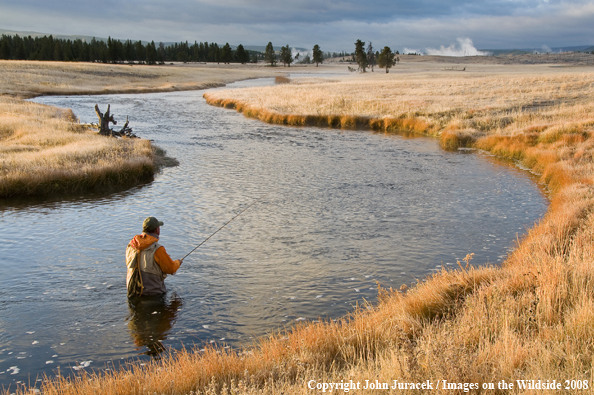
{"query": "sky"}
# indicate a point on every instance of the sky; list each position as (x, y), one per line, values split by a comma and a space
(413, 25)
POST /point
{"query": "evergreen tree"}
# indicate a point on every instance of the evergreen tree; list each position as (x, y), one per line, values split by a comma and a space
(213, 52)
(112, 51)
(370, 56)
(161, 53)
(48, 48)
(226, 53)
(203, 52)
(58, 53)
(241, 55)
(269, 54)
(151, 53)
(67, 50)
(286, 56)
(318, 56)
(386, 59)
(195, 52)
(5, 47)
(139, 51)
(129, 54)
(360, 56)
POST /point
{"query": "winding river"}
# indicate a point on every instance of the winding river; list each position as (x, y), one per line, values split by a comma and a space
(344, 210)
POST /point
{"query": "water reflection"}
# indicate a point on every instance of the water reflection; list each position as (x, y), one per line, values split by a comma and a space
(151, 319)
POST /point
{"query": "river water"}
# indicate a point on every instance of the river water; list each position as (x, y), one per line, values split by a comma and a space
(344, 210)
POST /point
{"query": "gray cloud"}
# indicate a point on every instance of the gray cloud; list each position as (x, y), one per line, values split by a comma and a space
(334, 24)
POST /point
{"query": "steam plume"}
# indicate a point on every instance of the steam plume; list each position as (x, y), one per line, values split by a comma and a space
(464, 48)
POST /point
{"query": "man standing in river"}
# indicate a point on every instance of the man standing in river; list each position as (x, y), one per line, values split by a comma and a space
(147, 261)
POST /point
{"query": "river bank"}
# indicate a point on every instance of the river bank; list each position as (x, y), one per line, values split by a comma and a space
(46, 151)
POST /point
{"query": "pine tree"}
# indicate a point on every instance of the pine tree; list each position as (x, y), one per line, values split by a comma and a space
(386, 59)
(151, 53)
(226, 54)
(286, 56)
(161, 53)
(360, 56)
(370, 56)
(242, 56)
(5, 47)
(318, 56)
(269, 54)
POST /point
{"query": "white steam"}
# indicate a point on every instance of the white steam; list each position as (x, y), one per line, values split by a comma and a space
(407, 51)
(302, 54)
(464, 48)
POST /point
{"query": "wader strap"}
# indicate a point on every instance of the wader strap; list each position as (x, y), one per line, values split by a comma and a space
(139, 273)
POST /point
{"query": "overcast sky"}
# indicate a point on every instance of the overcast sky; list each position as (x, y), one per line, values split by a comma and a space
(333, 24)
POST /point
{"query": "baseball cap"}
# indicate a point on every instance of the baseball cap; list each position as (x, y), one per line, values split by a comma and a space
(150, 224)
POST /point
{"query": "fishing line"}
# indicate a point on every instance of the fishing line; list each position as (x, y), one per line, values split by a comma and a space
(226, 223)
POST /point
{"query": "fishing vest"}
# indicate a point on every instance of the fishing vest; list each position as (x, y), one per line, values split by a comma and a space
(152, 275)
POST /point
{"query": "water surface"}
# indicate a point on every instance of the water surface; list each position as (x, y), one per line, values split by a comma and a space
(344, 210)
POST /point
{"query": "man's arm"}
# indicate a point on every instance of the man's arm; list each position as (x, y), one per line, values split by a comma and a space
(163, 259)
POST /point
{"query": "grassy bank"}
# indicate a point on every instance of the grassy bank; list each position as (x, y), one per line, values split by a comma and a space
(43, 150)
(532, 318)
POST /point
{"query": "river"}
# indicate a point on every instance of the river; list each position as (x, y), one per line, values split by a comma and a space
(345, 210)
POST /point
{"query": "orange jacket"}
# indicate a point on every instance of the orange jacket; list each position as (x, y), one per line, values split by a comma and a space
(143, 241)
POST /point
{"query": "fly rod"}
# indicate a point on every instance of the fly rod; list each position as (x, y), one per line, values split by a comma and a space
(226, 223)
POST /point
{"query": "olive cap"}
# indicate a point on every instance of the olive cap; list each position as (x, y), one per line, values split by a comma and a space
(150, 224)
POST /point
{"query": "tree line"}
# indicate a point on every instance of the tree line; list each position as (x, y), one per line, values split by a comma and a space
(368, 58)
(116, 51)
(286, 56)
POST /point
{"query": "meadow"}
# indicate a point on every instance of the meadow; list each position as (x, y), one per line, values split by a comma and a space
(44, 150)
(530, 319)
(25, 79)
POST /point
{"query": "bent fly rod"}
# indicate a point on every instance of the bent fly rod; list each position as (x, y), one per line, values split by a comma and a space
(226, 223)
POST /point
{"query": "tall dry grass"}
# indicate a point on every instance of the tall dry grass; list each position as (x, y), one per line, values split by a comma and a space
(27, 79)
(44, 150)
(532, 318)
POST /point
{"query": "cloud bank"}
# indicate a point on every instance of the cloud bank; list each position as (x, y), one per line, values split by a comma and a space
(333, 24)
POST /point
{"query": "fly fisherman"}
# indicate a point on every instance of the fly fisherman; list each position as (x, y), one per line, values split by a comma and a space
(147, 261)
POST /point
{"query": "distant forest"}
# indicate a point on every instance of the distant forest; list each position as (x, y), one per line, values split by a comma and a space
(117, 51)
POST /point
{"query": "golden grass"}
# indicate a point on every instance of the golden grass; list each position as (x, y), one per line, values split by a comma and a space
(27, 79)
(533, 318)
(44, 150)
(281, 80)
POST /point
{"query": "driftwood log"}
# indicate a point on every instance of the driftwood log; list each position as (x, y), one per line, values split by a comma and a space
(106, 119)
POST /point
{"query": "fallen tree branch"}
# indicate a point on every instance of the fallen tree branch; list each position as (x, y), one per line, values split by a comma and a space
(105, 130)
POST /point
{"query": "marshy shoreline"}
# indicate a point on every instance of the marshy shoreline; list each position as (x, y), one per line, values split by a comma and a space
(531, 318)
